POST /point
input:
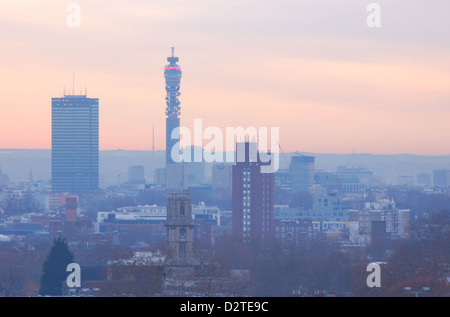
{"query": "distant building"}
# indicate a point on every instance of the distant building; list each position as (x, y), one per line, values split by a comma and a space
(293, 231)
(397, 220)
(67, 226)
(283, 179)
(196, 173)
(75, 141)
(144, 221)
(221, 176)
(55, 228)
(212, 214)
(284, 213)
(195, 170)
(325, 214)
(334, 226)
(252, 196)
(203, 233)
(332, 201)
(406, 180)
(4, 180)
(136, 174)
(221, 185)
(330, 230)
(18, 228)
(71, 208)
(151, 219)
(363, 175)
(177, 176)
(57, 201)
(78, 230)
(328, 180)
(200, 193)
(424, 179)
(302, 173)
(344, 181)
(441, 178)
(159, 177)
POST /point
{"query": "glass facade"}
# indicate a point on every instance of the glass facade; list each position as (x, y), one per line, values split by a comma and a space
(75, 144)
(302, 173)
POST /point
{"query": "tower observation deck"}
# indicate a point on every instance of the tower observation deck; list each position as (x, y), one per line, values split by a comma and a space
(172, 75)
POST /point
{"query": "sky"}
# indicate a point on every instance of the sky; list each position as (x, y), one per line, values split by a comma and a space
(312, 68)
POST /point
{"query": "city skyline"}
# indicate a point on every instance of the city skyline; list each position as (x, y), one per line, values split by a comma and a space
(332, 85)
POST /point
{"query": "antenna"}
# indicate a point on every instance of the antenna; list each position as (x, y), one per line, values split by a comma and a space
(351, 159)
(85, 89)
(73, 84)
(284, 156)
(153, 137)
(64, 90)
(173, 50)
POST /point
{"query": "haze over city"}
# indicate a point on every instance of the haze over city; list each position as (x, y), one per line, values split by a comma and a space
(313, 69)
(226, 153)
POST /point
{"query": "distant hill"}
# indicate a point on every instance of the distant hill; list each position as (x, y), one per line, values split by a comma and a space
(16, 163)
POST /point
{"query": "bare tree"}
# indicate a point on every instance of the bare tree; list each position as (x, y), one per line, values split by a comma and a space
(11, 272)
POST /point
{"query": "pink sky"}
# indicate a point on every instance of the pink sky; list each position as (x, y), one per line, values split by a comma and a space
(313, 68)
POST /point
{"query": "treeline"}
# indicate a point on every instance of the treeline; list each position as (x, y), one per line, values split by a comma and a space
(276, 270)
(419, 202)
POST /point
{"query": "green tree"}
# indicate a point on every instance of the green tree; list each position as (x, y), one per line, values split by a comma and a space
(54, 268)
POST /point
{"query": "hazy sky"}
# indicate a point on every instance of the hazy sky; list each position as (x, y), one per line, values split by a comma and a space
(312, 68)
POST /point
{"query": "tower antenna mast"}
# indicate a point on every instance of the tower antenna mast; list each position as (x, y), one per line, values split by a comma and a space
(153, 138)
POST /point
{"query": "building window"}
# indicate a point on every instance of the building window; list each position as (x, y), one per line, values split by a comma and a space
(182, 250)
(182, 234)
(182, 209)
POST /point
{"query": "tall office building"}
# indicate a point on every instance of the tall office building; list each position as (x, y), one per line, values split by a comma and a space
(302, 173)
(252, 196)
(75, 138)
